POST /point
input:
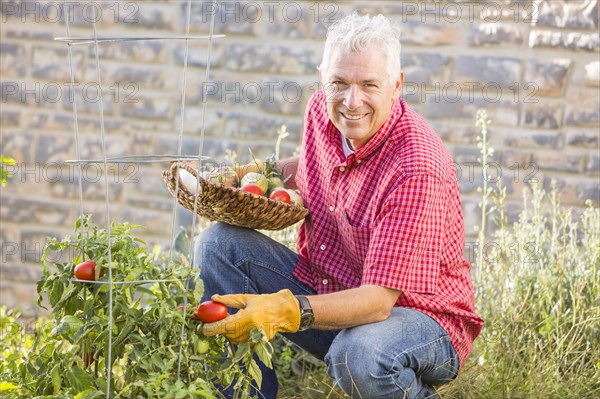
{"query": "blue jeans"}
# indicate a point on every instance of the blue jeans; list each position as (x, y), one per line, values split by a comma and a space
(401, 357)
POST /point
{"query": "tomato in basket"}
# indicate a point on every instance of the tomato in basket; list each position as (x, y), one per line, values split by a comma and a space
(253, 189)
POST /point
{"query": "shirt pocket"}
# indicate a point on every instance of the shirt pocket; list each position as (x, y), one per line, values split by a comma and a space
(355, 242)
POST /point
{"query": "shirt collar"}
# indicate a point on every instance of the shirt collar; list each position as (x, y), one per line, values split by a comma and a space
(346, 146)
(383, 133)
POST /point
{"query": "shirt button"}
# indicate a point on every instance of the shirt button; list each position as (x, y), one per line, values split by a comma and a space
(331, 208)
(358, 161)
(323, 247)
(342, 168)
(325, 281)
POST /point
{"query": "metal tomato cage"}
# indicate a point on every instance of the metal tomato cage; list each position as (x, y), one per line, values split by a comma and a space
(96, 40)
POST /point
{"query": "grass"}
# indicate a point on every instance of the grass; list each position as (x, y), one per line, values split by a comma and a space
(538, 292)
(537, 286)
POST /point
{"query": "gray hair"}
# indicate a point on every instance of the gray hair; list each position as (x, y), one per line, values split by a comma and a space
(356, 33)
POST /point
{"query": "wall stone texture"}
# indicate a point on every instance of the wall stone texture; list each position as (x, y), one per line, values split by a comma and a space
(533, 65)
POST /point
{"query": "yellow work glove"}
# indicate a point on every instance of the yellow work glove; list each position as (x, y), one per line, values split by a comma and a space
(271, 313)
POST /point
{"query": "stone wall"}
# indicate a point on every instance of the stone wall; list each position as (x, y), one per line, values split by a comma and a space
(533, 65)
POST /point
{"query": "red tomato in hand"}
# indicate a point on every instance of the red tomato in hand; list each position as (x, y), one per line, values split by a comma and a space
(210, 311)
(252, 188)
(87, 271)
(281, 195)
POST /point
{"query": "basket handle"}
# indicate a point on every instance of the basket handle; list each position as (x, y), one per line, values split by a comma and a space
(182, 165)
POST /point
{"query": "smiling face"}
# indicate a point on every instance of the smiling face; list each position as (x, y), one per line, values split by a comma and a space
(360, 93)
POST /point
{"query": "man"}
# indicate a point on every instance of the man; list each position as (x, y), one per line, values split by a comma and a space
(379, 287)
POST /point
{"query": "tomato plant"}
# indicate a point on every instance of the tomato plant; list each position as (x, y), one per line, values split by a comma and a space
(210, 311)
(151, 349)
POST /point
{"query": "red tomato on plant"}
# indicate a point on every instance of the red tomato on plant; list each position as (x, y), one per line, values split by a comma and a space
(281, 195)
(252, 188)
(210, 311)
(87, 271)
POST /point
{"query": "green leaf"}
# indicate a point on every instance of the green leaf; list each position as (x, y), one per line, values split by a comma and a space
(72, 303)
(83, 332)
(264, 355)
(39, 286)
(7, 386)
(7, 160)
(124, 334)
(55, 293)
(204, 390)
(254, 372)
(89, 394)
(79, 379)
(157, 361)
(56, 379)
(5, 174)
(240, 352)
(68, 327)
(145, 341)
(182, 243)
(65, 299)
(162, 335)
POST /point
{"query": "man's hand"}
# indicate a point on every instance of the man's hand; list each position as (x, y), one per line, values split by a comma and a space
(272, 313)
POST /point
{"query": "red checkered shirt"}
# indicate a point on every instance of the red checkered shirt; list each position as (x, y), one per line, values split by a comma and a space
(390, 215)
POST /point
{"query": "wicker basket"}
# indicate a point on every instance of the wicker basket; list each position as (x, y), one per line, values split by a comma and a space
(233, 206)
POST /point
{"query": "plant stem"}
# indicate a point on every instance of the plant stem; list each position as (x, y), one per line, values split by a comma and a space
(482, 122)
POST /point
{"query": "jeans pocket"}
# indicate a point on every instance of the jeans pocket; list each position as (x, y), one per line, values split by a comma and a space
(444, 367)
